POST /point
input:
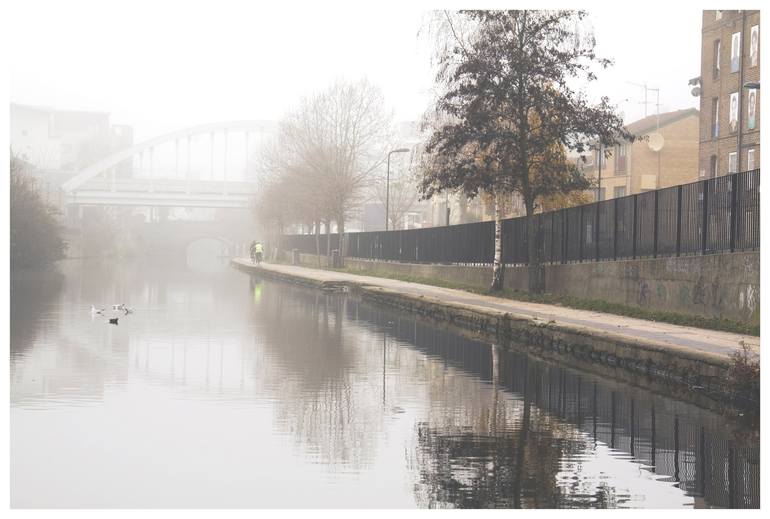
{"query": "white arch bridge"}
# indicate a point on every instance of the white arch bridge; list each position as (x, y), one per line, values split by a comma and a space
(176, 170)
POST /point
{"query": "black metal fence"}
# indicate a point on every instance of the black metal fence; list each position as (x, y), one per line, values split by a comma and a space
(714, 215)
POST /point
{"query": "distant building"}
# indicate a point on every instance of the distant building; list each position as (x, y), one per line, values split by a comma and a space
(636, 167)
(729, 111)
(60, 141)
(632, 168)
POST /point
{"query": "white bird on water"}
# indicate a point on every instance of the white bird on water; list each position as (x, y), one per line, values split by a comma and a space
(123, 308)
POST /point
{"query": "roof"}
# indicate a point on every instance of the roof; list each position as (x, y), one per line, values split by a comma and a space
(49, 109)
(642, 126)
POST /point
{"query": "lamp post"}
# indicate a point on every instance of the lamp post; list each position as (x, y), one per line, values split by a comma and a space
(387, 184)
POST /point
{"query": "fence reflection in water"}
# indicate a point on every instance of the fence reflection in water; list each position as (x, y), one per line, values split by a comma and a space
(698, 450)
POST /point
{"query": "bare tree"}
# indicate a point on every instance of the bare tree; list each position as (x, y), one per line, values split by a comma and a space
(292, 191)
(356, 132)
(328, 150)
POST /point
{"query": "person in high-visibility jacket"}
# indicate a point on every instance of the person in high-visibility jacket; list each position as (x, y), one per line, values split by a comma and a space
(258, 253)
(251, 250)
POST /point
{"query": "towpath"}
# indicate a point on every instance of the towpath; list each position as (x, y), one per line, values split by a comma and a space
(688, 340)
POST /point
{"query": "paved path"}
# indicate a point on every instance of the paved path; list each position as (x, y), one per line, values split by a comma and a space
(669, 335)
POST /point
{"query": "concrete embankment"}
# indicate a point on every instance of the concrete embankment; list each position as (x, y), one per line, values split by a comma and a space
(691, 362)
(724, 286)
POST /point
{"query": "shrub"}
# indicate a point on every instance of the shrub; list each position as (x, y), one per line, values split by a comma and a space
(35, 235)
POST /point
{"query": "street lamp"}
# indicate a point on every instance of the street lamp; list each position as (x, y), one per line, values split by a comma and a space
(387, 185)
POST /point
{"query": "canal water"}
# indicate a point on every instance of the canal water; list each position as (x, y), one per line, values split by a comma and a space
(226, 391)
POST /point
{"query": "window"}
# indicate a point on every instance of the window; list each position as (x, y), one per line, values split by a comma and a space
(750, 159)
(732, 162)
(735, 104)
(620, 159)
(754, 46)
(715, 117)
(752, 119)
(735, 53)
(717, 14)
(713, 167)
(717, 49)
(619, 191)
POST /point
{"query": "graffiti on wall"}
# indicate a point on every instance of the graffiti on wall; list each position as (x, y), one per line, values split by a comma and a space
(644, 293)
(747, 298)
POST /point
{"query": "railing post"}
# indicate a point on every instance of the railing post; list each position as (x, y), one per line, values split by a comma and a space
(580, 253)
(597, 229)
(553, 234)
(655, 220)
(705, 221)
(633, 232)
(615, 230)
(564, 236)
(678, 220)
(733, 210)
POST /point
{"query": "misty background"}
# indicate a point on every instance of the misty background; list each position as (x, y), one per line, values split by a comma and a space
(161, 66)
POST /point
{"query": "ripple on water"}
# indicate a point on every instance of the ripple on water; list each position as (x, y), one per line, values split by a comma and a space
(276, 388)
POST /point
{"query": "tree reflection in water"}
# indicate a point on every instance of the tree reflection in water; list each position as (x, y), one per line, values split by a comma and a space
(31, 292)
(545, 436)
(318, 374)
(370, 398)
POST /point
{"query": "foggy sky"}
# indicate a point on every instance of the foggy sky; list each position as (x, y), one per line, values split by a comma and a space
(161, 66)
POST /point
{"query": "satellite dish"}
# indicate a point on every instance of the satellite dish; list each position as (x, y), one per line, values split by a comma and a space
(655, 142)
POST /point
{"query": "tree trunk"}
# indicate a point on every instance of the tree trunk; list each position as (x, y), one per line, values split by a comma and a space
(534, 241)
(521, 443)
(328, 225)
(318, 242)
(278, 244)
(341, 238)
(497, 265)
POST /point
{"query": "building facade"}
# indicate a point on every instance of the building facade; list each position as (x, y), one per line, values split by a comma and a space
(60, 141)
(730, 63)
(649, 162)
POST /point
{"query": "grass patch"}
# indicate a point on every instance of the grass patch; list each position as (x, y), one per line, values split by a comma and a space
(595, 305)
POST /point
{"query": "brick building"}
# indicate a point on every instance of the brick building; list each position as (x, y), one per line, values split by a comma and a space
(635, 167)
(729, 110)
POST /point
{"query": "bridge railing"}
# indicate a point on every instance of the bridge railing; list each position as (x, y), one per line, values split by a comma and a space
(170, 185)
(713, 215)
